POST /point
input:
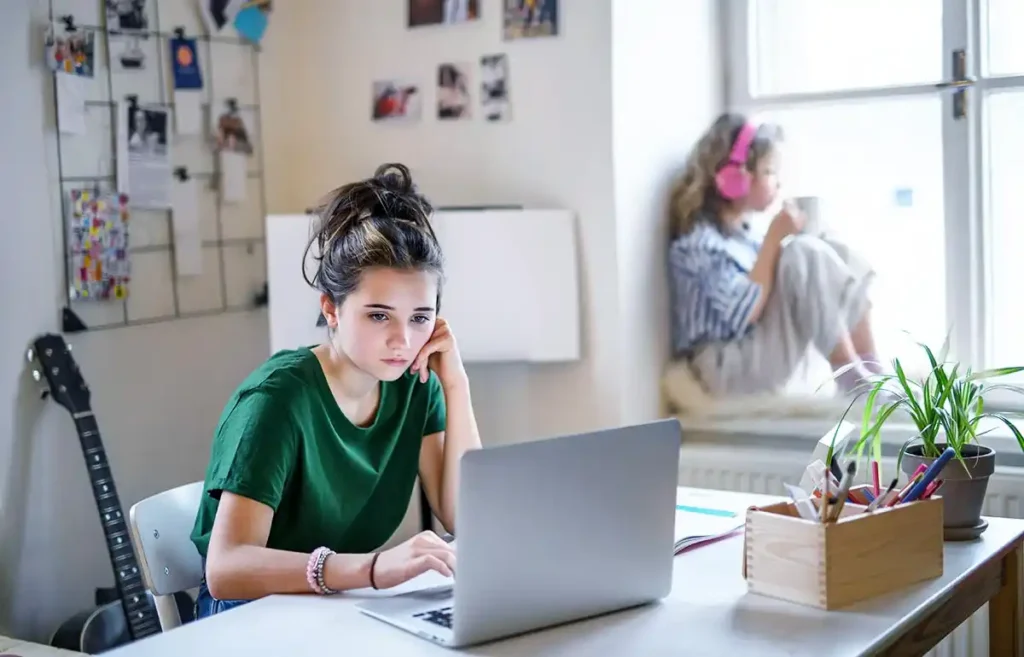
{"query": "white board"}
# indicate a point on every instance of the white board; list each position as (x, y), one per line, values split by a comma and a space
(511, 291)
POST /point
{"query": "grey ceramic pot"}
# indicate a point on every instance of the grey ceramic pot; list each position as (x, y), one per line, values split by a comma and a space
(964, 484)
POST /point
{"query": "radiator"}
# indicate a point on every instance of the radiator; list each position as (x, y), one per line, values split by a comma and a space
(756, 470)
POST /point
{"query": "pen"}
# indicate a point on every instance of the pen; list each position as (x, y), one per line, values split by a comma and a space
(878, 501)
(932, 489)
(930, 474)
(903, 491)
(875, 476)
(844, 489)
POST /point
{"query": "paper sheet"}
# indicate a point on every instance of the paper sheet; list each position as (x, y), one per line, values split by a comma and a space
(232, 176)
(123, 183)
(188, 241)
(702, 516)
(71, 94)
(188, 112)
(149, 156)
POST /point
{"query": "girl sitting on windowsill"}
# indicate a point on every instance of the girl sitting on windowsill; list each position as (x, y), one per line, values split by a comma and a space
(747, 306)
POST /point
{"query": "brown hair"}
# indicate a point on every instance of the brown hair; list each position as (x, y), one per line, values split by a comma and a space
(695, 191)
(381, 221)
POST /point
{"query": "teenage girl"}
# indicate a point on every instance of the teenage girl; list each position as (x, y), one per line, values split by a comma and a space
(747, 306)
(316, 453)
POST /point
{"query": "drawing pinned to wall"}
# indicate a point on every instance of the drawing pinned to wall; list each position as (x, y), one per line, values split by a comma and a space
(494, 100)
(127, 15)
(218, 14)
(453, 98)
(100, 267)
(70, 51)
(439, 12)
(530, 18)
(396, 100)
(149, 156)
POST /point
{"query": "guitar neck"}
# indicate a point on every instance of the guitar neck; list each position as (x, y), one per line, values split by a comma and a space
(141, 616)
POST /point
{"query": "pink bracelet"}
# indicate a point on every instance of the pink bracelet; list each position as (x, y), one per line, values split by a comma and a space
(315, 570)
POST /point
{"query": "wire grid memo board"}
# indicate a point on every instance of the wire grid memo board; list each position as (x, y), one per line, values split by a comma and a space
(233, 262)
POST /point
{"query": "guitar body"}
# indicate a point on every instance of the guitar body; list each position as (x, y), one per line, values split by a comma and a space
(104, 628)
(127, 611)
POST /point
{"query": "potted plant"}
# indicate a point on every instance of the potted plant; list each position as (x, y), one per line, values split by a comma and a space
(946, 407)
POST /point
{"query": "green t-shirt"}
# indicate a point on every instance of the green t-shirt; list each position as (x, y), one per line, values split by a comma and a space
(282, 440)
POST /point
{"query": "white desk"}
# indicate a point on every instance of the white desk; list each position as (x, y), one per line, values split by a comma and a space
(709, 613)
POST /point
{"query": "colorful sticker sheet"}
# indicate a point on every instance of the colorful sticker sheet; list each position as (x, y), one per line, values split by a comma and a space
(100, 266)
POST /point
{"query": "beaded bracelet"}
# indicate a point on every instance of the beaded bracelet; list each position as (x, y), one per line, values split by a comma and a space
(315, 571)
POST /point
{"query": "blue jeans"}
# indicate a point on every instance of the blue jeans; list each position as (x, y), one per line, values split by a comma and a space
(207, 605)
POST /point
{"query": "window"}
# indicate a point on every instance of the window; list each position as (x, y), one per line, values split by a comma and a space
(906, 123)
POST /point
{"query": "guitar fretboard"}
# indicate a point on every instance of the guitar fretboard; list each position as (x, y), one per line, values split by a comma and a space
(141, 616)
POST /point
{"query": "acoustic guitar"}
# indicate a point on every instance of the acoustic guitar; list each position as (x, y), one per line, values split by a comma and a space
(124, 612)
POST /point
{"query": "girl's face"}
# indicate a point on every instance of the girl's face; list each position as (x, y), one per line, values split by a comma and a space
(384, 323)
(764, 184)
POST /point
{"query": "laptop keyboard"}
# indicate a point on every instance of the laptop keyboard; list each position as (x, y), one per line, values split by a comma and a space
(442, 617)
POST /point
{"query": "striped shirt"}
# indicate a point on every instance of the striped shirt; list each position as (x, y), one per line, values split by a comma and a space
(712, 294)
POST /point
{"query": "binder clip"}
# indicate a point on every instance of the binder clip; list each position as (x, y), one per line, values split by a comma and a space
(232, 104)
(181, 173)
(69, 23)
(179, 33)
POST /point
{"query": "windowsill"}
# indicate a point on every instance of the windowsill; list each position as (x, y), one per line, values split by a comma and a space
(801, 434)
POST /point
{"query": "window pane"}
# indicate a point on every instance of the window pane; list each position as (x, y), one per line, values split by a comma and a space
(1006, 204)
(824, 45)
(877, 166)
(1003, 37)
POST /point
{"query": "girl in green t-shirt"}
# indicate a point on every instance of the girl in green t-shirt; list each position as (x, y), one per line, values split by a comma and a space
(315, 457)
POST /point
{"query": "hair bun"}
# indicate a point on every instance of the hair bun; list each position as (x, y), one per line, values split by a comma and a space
(394, 177)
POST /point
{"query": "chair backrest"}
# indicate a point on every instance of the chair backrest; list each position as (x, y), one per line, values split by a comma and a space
(161, 527)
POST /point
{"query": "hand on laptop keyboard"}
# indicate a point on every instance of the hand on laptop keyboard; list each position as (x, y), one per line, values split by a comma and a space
(424, 551)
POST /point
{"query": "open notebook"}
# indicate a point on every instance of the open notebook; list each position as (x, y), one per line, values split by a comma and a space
(706, 516)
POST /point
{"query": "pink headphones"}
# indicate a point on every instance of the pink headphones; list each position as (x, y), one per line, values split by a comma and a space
(733, 179)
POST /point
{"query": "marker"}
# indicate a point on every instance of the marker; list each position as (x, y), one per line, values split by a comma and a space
(875, 476)
(930, 474)
(906, 489)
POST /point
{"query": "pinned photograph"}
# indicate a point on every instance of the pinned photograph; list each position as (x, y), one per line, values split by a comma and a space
(231, 134)
(127, 15)
(131, 56)
(218, 14)
(70, 52)
(453, 91)
(396, 100)
(149, 156)
(530, 18)
(442, 12)
(494, 101)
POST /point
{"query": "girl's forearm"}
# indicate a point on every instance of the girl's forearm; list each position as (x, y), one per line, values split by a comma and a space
(248, 572)
(460, 435)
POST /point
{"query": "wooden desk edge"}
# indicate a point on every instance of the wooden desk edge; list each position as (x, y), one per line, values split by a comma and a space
(999, 581)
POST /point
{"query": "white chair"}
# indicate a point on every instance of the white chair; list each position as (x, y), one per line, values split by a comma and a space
(161, 526)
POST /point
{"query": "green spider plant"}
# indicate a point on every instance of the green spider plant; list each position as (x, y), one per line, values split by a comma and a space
(946, 406)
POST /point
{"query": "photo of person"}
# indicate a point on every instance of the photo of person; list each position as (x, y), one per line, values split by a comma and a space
(70, 52)
(437, 12)
(147, 130)
(530, 18)
(231, 133)
(132, 57)
(494, 99)
(396, 100)
(127, 15)
(453, 91)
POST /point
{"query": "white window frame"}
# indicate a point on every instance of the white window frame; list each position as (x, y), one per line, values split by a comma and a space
(965, 200)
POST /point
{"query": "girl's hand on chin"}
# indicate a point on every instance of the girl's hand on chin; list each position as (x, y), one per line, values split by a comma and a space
(440, 354)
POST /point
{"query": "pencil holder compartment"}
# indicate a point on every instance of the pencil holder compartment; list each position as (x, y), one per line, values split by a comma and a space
(835, 564)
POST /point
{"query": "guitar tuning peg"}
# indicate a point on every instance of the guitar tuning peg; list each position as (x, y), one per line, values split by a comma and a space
(68, 345)
(36, 375)
(44, 389)
(30, 355)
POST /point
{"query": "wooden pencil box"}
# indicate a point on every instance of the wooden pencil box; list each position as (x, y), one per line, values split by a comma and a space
(833, 565)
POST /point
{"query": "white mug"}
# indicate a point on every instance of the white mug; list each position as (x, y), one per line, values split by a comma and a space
(810, 206)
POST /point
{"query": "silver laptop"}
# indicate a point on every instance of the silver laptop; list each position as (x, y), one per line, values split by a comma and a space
(552, 531)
